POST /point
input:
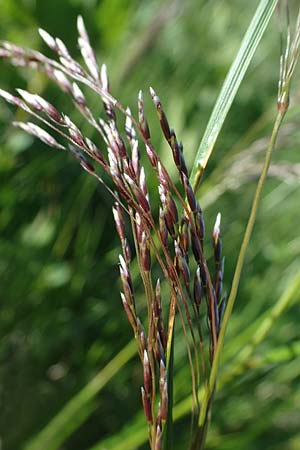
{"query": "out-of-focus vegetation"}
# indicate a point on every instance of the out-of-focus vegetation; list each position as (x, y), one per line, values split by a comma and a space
(61, 320)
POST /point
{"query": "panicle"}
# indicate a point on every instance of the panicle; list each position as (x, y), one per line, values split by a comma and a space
(198, 290)
(189, 193)
(110, 112)
(138, 193)
(162, 176)
(74, 132)
(38, 132)
(143, 184)
(126, 282)
(145, 256)
(48, 39)
(147, 374)
(216, 230)
(63, 52)
(196, 246)
(135, 157)
(62, 80)
(134, 145)
(158, 438)
(78, 95)
(161, 115)
(163, 228)
(184, 236)
(138, 227)
(82, 160)
(147, 406)
(40, 104)
(199, 223)
(152, 233)
(129, 312)
(151, 155)
(219, 262)
(13, 100)
(72, 67)
(129, 129)
(158, 315)
(142, 119)
(86, 49)
(182, 264)
(169, 134)
(169, 210)
(163, 392)
(142, 339)
(96, 153)
(119, 220)
(160, 351)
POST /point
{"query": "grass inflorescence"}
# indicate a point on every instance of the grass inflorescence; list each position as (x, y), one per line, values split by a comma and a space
(169, 244)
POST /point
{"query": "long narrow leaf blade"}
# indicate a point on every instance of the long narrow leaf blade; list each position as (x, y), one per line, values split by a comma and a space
(231, 84)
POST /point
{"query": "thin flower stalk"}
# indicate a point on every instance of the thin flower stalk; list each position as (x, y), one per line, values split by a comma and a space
(288, 62)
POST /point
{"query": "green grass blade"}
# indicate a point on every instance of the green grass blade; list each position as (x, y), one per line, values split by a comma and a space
(80, 406)
(231, 84)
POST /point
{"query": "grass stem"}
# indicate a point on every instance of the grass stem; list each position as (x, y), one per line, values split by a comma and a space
(238, 270)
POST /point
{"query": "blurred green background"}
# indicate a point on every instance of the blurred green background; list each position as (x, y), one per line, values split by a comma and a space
(61, 319)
